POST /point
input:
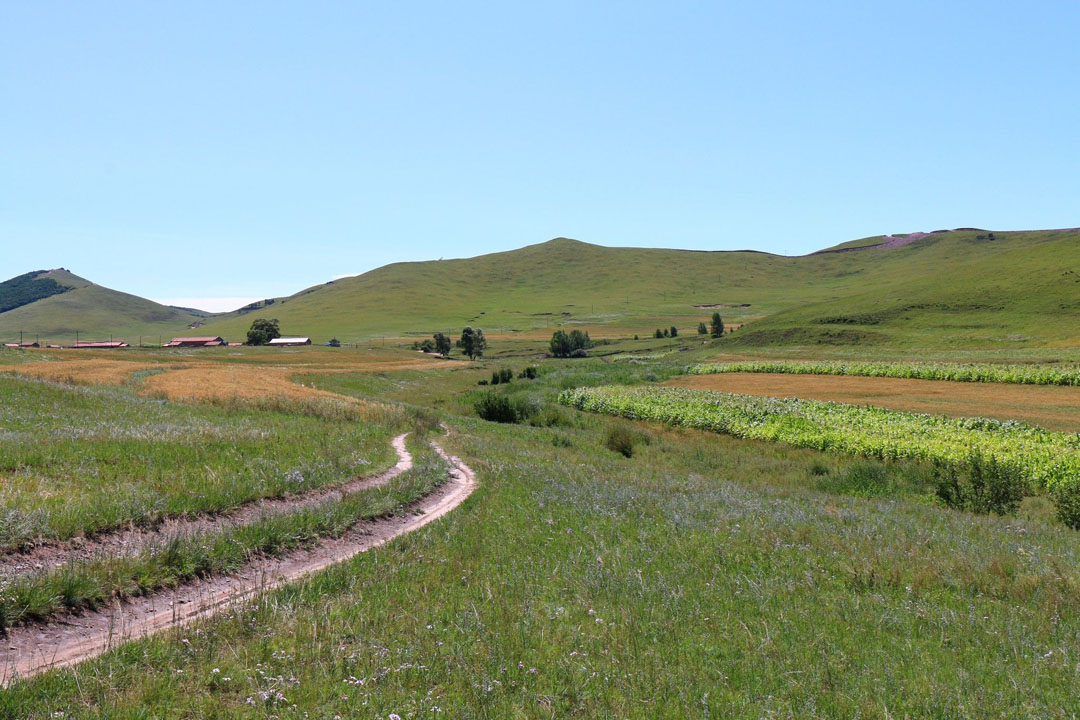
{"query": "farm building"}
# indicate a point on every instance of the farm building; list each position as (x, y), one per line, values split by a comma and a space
(105, 345)
(196, 342)
(27, 344)
(288, 342)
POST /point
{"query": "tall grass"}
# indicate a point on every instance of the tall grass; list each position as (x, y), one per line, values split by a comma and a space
(957, 372)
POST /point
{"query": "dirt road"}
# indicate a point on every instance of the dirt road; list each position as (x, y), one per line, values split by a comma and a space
(32, 649)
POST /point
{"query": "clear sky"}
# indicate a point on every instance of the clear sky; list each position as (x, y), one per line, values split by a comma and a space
(191, 151)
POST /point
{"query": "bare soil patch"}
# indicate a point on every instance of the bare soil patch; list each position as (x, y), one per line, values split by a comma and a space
(1055, 408)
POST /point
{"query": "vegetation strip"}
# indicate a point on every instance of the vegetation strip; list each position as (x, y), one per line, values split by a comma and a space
(957, 372)
(31, 651)
(1047, 459)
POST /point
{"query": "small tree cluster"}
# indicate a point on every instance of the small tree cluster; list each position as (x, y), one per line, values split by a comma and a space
(263, 331)
(574, 344)
(472, 342)
(701, 329)
(666, 332)
(504, 375)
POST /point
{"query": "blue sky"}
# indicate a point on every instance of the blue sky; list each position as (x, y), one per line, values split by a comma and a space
(193, 151)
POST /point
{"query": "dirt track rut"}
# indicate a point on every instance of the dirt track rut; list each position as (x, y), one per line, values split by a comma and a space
(32, 649)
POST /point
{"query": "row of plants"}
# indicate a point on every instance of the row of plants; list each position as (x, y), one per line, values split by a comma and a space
(1044, 459)
(959, 372)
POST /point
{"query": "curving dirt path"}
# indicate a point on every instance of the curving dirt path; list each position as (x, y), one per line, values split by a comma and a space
(33, 649)
(53, 554)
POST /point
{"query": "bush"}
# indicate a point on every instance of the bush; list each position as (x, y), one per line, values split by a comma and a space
(1066, 499)
(983, 484)
(426, 346)
(563, 345)
(528, 373)
(674, 331)
(658, 334)
(622, 440)
(334, 342)
(701, 329)
(497, 407)
(578, 353)
(504, 375)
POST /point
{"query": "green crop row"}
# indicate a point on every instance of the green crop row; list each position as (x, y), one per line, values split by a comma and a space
(959, 372)
(1049, 460)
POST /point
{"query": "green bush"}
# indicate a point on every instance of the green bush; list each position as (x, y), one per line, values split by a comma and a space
(529, 373)
(983, 484)
(502, 376)
(622, 440)
(497, 407)
(1066, 499)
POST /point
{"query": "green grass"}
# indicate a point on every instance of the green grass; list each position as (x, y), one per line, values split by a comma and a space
(948, 290)
(79, 460)
(706, 576)
(95, 312)
(88, 584)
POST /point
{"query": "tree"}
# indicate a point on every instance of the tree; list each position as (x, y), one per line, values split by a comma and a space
(560, 344)
(472, 342)
(263, 331)
(334, 342)
(658, 334)
(701, 329)
(442, 344)
(717, 325)
(579, 340)
(674, 331)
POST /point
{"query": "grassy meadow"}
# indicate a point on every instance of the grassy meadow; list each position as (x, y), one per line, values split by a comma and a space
(697, 575)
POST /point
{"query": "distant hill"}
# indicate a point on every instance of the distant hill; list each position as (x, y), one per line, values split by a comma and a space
(966, 287)
(955, 288)
(53, 305)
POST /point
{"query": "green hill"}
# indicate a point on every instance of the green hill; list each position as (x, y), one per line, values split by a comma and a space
(78, 305)
(943, 287)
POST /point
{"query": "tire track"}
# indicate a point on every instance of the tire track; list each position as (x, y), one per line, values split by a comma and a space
(33, 649)
(114, 543)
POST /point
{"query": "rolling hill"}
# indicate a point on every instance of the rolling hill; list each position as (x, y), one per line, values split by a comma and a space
(962, 288)
(967, 287)
(53, 305)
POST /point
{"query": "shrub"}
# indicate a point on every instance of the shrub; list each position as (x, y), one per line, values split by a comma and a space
(622, 440)
(983, 484)
(563, 345)
(425, 346)
(497, 407)
(578, 353)
(503, 376)
(334, 342)
(701, 329)
(658, 334)
(528, 373)
(674, 331)
(1066, 499)
(442, 343)
(482, 382)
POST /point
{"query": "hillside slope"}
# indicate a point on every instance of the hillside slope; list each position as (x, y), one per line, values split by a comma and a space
(95, 312)
(958, 287)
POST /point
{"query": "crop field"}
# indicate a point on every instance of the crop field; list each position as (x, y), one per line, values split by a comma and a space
(1055, 408)
(1027, 374)
(701, 574)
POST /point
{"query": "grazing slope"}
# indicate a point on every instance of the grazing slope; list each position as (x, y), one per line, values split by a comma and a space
(958, 287)
(94, 311)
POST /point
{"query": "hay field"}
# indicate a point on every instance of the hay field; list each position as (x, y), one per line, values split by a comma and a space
(1055, 408)
(248, 374)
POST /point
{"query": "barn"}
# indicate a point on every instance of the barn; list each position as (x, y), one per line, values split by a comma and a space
(196, 342)
(290, 341)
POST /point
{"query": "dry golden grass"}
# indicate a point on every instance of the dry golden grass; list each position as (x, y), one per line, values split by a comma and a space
(1056, 408)
(214, 376)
